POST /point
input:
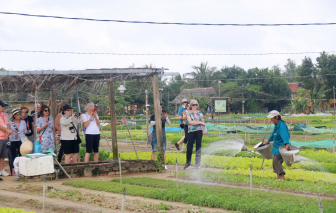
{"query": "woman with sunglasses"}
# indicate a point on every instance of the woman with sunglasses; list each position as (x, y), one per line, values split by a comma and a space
(18, 126)
(196, 129)
(69, 134)
(45, 127)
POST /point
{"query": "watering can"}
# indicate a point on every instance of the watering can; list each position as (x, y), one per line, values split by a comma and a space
(244, 148)
(265, 150)
(289, 156)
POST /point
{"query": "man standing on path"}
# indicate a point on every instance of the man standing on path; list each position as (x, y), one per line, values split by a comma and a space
(4, 132)
(183, 125)
(164, 120)
(280, 137)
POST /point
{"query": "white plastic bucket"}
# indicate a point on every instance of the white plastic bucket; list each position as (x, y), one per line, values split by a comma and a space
(265, 150)
(289, 156)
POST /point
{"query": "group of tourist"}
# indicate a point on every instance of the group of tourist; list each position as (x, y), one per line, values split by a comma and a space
(62, 132)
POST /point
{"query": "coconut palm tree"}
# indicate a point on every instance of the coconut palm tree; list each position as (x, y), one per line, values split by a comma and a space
(202, 76)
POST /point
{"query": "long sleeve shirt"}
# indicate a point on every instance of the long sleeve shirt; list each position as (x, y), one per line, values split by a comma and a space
(280, 136)
(67, 126)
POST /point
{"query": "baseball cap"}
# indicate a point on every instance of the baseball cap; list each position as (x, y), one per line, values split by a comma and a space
(3, 104)
(65, 107)
(272, 114)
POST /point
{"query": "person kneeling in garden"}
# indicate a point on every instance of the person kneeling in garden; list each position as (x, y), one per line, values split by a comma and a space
(280, 137)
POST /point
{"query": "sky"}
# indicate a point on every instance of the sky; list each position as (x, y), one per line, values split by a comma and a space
(47, 34)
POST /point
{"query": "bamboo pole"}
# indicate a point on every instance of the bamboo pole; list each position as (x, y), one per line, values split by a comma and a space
(334, 150)
(101, 129)
(251, 166)
(120, 168)
(132, 142)
(176, 175)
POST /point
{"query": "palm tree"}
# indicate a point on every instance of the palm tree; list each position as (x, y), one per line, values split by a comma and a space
(202, 74)
(317, 95)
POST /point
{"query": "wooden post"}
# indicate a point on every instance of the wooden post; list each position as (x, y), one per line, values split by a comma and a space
(157, 112)
(113, 121)
(36, 138)
(53, 106)
(147, 130)
(334, 150)
(251, 166)
(78, 110)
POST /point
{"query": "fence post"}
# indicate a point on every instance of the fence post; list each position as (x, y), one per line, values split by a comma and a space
(251, 166)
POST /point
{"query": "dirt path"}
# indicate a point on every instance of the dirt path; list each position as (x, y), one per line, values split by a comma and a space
(132, 203)
(51, 204)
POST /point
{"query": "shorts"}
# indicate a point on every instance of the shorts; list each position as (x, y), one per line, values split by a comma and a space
(70, 146)
(277, 165)
(92, 142)
(154, 143)
(3, 149)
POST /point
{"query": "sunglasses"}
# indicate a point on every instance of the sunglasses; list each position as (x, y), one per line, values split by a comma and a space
(47, 110)
(18, 114)
(68, 110)
(24, 112)
(194, 105)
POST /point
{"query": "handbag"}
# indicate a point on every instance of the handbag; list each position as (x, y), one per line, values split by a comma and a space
(79, 140)
(40, 136)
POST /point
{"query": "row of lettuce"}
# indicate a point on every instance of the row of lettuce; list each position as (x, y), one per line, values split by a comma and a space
(321, 160)
(228, 198)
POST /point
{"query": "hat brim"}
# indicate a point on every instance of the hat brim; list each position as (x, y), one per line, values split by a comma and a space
(269, 116)
(3, 105)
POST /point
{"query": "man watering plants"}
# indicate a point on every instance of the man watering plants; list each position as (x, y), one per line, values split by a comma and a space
(280, 137)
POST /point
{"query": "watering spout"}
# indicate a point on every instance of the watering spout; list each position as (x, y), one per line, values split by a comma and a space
(244, 148)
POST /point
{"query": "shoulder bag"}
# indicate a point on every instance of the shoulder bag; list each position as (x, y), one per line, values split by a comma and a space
(79, 140)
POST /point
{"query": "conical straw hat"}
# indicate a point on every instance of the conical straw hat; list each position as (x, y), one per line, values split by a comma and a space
(26, 147)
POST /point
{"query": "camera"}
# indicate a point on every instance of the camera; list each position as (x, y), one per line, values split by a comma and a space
(72, 129)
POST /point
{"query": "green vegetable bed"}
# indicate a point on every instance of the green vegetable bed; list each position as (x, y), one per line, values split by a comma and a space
(209, 195)
(264, 179)
(9, 210)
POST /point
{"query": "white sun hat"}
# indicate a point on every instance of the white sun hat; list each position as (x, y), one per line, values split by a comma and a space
(272, 114)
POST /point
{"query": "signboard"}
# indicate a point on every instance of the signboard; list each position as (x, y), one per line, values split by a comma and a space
(220, 105)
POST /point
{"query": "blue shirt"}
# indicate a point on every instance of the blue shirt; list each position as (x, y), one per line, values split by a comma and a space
(181, 109)
(280, 136)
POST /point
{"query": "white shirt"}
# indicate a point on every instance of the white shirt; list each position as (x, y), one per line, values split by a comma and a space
(92, 128)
